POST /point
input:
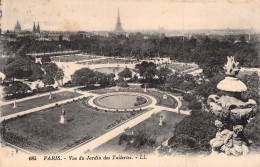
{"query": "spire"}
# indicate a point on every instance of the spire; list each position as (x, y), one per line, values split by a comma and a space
(38, 28)
(17, 26)
(118, 28)
(34, 28)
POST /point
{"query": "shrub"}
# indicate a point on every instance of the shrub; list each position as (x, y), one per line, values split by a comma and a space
(123, 84)
(193, 133)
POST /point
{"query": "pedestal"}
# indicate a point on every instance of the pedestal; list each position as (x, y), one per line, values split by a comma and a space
(63, 119)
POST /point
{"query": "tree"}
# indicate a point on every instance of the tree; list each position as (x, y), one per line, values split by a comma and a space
(174, 81)
(146, 69)
(126, 73)
(84, 77)
(51, 68)
(193, 133)
(48, 80)
(59, 76)
(37, 72)
(163, 73)
(253, 86)
(17, 87)
(19, 68)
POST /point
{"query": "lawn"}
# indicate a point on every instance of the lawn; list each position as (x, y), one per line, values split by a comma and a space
(151, 128)
(44, 130)
(110, 61)
(36, 102)
(169, 102)
(72, 58)
(180, 67)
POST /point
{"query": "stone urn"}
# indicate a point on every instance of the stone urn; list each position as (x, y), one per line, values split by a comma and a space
(233, 113)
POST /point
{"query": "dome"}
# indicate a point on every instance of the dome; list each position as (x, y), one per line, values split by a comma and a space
(232, 84)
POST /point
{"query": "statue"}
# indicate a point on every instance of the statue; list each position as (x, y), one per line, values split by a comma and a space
(15, 105)
(161, 121)
(50, 97)
(63, 118)
(232, 112)
(238, 143)
(218, 143)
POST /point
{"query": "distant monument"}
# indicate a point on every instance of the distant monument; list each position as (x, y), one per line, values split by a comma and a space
(17, 27)
(118, 29)
(233, 113)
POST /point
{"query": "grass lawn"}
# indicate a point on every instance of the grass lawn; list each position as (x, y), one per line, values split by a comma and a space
(110, 61)
(43, 127)
(36, 102)
(169, 102)
(191, 70)
(72, 58)
(151, 128)
(179, 67)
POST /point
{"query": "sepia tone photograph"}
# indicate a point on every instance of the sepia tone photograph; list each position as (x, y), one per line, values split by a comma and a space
(130, 83)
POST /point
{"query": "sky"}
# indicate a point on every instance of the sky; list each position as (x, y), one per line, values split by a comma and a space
(90, 15)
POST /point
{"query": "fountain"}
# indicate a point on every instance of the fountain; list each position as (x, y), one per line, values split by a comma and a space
(232, 113)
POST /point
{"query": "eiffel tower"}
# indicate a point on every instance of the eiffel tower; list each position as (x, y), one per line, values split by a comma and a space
(118, 29)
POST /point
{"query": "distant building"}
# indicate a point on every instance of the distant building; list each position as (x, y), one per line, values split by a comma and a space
(118, 29)
(17, 27)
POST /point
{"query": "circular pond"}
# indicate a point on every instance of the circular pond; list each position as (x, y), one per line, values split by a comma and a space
(122, 101)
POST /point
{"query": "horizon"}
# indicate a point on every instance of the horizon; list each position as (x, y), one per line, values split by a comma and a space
(79, 15)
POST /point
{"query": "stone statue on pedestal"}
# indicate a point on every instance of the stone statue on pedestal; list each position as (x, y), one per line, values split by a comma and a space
(232, 113)
(63, 118)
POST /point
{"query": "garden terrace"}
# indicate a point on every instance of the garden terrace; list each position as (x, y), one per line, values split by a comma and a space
(36, 102)
(42, 132)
